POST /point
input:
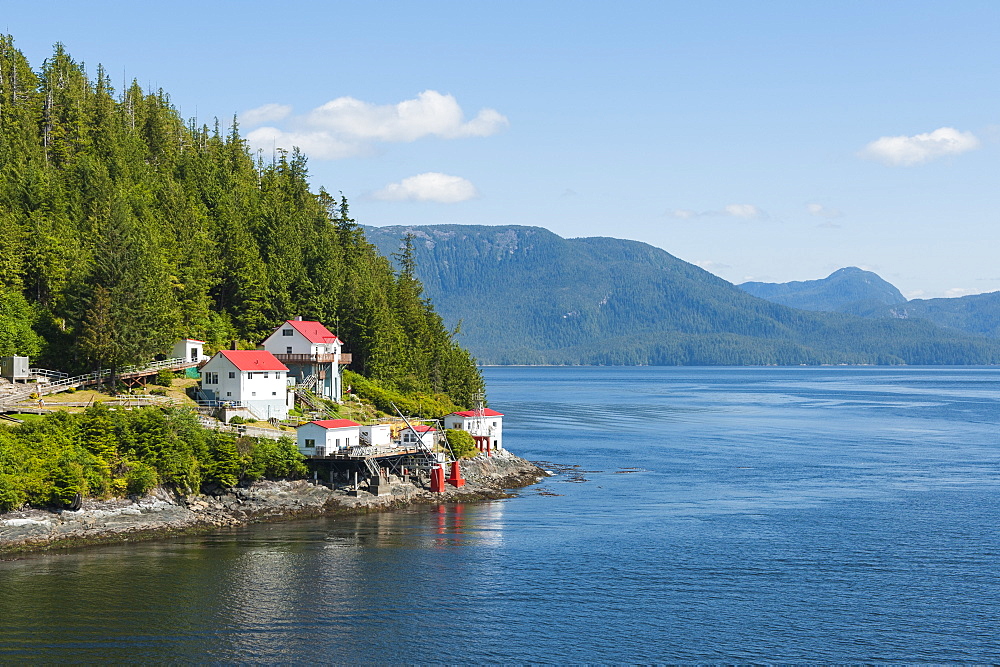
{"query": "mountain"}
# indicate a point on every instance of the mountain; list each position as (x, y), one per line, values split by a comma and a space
(848, 290)
(976, 313)
(523, 295)
(852, 290)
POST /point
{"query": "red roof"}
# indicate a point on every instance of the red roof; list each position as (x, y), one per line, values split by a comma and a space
(335, 423)
(422, 428)
(472, 413)
(253, 360)
(313, 331)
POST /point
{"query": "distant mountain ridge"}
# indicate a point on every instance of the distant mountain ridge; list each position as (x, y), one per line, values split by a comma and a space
(523, 295)
(852, 290)
(846, 290)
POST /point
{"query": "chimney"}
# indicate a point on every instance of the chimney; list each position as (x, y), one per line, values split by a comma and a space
(298, 318)
(235, 345)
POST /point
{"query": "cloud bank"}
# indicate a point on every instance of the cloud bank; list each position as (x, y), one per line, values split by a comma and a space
(348, 127)
(907, 151)
(430, 186)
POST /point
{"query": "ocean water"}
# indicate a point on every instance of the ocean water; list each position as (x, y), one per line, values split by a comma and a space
(695, 515)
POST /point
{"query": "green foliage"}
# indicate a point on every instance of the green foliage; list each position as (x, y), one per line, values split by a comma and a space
(107, 453)
(164, 378)
(122, 227)
(417, 403)
(236, 420)
(462, 444)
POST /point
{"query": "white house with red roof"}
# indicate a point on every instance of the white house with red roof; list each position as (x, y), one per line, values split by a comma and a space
(310, 349)
(424, 436)
(484, 425)
(253, 379)
(328, 436)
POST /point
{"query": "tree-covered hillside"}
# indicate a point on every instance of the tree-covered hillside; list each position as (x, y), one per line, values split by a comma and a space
(124, 227)
(851, 290)
(846, 290)
(525, 296)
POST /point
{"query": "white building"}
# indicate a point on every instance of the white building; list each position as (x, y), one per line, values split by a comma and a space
(424, 436)
(327, 436)
(308, 348)
(378, 435)
(485, 426)
(189, 349)
(253, 379)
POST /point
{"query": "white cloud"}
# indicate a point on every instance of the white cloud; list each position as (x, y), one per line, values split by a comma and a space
(319, 145)
(821, 211)
(745, 211)
(430, 186)
(268, 113)
(712, 266)
(347, 126)
(957, 291)
(907, 151)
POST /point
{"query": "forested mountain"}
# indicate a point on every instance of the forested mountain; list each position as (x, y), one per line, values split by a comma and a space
(847, 290)
(123, 227)
(864, 293)
(976, 313)
(523, 295)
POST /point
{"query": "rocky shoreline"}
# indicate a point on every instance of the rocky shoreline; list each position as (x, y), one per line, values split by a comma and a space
(164, 513)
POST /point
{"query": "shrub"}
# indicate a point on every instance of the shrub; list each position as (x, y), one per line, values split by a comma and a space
(463, 446)
(158, 391)
(140, 479)
(164, 378)
(236, 420)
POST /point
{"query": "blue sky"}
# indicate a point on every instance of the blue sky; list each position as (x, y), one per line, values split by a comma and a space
(761, 140)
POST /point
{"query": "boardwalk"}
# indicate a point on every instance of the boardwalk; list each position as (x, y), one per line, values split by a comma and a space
(54, 386)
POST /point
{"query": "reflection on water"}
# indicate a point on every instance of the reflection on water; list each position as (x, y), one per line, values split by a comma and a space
(766, 515)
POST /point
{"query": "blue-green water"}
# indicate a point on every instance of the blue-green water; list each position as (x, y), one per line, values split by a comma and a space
(833, 514)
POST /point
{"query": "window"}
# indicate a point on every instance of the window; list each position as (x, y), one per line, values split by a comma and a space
(253, 393)
(338, 443)
(232, 375)
(229, 393)
(274, 393)
(288, 350)
(286, 332)
(211, 378)
(310, 442)
(265, 377)
(249, 376)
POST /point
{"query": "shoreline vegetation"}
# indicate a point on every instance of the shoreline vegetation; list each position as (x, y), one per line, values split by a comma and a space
(163, 513)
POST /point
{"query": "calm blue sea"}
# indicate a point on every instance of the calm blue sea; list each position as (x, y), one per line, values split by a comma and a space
(697, 515)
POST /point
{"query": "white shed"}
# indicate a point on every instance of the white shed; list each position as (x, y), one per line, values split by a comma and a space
(377, 434)
(327, 436)
(189, 349)
(424, 436)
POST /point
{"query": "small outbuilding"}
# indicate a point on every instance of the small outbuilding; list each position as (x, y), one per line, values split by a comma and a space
(424, 436)
(324, 437)
(189, 349)
(378, 435)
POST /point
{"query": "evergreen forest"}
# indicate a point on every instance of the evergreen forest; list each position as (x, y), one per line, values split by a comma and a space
(124, 227)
